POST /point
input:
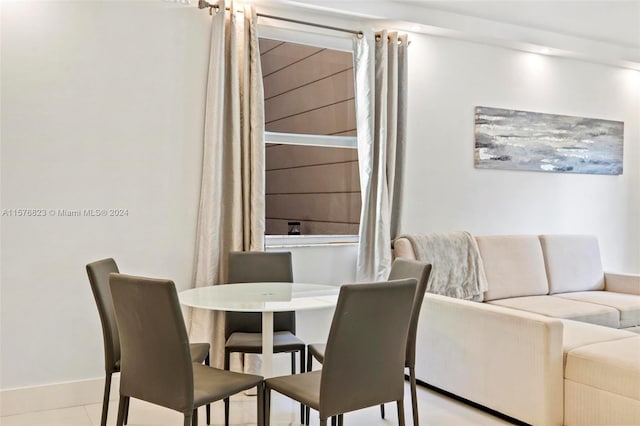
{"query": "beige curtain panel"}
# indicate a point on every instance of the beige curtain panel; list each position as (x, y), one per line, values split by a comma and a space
(381, 104)
(231, 211)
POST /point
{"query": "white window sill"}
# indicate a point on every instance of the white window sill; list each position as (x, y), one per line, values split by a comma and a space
(281, 241)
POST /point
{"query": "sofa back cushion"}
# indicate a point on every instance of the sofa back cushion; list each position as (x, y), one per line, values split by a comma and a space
(572, 262)
(514, 266)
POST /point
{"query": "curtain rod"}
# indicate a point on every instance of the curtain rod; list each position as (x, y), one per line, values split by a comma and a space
(203, 4)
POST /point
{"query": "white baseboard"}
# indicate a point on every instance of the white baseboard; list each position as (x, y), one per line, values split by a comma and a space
(81, 392)
(54, 396)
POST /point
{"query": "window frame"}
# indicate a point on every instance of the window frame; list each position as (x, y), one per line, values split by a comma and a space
(306, 139)
(346, 142)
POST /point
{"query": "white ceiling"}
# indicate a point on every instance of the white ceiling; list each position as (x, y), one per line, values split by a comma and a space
(611, 21)
(603, 31)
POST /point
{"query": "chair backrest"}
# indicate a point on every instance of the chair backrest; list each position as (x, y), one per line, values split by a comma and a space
(98, 273)
(156, 362)
(402, 269)
(364, 358)
(255, 266)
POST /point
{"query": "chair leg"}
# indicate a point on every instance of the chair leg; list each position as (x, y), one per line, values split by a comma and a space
(194, 418)
(126, 412)
(400, 412)
(187, 419)
(267, 406)
(334, 421)
(303, 409)
(121, 406)
(208, 407)
(227, 363)
(309, 367)
(105, 400)
(382, 410)
(261, 391)
(226, 411)
(414, 395)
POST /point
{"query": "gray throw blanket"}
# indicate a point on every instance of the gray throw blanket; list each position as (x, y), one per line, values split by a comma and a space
(457, 269)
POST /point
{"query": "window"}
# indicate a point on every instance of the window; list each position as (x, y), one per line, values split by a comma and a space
(312, 182)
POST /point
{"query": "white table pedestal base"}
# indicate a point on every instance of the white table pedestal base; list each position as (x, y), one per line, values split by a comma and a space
(267, 344)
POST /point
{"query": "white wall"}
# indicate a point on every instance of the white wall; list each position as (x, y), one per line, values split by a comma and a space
(102, 106)
(444, 192)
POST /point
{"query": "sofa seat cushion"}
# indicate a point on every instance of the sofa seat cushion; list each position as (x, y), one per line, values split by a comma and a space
(576, 334)
(559, 307)
(573, 263)
(627, 304)
(513, 265)
(610, 366)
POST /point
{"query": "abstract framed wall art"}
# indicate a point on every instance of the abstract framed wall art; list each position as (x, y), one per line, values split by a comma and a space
(521, 140)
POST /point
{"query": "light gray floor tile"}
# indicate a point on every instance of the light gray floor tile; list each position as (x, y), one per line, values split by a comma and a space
(74, 416)
(435, 409)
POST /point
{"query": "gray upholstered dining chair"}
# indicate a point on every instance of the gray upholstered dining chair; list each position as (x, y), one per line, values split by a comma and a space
(98, 273)
(365, 353)
(243, 330)
(401, 269)
(156, 362)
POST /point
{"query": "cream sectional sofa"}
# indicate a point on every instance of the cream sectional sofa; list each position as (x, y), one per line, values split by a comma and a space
(555, 342)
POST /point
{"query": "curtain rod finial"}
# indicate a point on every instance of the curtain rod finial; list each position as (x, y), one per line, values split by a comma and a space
(203, 4)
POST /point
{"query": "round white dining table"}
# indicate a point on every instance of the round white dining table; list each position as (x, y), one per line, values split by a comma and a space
(263, 297)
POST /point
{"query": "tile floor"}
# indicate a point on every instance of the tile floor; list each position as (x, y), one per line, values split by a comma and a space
(435, 409)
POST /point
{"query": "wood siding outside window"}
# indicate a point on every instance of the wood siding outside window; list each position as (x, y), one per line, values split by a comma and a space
(309, 90)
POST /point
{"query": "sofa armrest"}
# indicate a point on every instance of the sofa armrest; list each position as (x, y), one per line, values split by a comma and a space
(402, 248)
(508, 360)
(622, 283)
